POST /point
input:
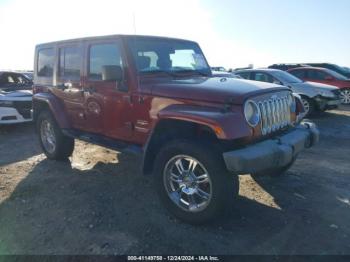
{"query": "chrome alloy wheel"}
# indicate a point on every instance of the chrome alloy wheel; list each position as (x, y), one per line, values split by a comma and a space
(187, 183)
(306, 105)
(47, 135)
(345, 96)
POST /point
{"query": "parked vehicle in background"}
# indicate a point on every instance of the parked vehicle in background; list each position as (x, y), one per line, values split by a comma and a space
(286, 67)
(224, 74)
(29, 75)
(156, 96)
(15, 98)
(334, 67)
(12, 81)
(325, 76)
(218, 68)
(315, 96)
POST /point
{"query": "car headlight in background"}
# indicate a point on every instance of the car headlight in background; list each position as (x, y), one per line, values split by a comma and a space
(6, 103)
(252, 113)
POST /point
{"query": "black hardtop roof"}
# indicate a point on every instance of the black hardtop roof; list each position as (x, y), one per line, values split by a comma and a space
(109, 37)
(258, 70)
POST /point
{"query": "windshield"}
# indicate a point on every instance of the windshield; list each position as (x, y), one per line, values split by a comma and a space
(167, 55)
(286, 77)
(336, 75)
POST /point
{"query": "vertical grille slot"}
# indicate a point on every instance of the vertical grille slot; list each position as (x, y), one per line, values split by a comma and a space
(275, 114)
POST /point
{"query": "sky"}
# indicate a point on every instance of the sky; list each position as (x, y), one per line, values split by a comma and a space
(231, 33)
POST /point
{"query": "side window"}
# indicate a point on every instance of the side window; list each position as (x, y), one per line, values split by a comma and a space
(317, 75)
(101, 57)
(69, 64)
(245, 75)
(298, 73)
(45, 62)
(263, 77)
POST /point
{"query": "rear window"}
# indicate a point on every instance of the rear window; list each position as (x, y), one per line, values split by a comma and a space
(45, 62)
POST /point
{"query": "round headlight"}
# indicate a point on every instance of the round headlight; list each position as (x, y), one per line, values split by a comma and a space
(252, 113)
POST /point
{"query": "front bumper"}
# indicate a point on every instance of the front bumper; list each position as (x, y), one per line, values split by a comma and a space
(272, 153)
(10, 115)
(324, 103)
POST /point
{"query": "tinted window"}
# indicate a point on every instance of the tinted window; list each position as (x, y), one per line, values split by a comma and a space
(245, 75)
(102, 56)
(298, 73)
(263, 77)
(69, 63)
(286, 77)
(316, 75)
(45, 62)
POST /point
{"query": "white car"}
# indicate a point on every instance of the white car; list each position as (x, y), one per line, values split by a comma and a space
(15, 106)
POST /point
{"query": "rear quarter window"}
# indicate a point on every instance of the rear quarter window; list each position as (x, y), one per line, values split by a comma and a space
(45, 62)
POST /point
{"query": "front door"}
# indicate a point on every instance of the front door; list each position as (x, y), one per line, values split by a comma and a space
(107, 102)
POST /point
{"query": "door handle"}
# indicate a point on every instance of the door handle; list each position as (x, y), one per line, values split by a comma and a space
(64, 86)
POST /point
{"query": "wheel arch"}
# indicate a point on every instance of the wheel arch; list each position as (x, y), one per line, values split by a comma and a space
(171, 129)
(46, 101)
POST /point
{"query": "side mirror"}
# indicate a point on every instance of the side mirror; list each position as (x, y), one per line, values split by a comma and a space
(112, 73)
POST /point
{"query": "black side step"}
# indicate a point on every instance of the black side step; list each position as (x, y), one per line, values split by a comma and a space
(104, 141)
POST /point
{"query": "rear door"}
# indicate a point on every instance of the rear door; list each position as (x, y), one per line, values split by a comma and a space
(68, 85)
(107, 102)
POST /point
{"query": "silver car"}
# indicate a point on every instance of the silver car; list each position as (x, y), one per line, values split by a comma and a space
(315, 96)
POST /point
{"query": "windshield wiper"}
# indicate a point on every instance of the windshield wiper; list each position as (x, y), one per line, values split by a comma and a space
(185, 71)
(157, 72)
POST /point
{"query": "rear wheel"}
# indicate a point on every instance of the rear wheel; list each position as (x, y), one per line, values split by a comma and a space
(53, 142)
(193, 182)
(345, 96)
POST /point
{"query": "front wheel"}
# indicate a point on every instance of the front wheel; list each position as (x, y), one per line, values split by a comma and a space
(309, 106)
(53, 142)
(193, 182)
(345, 96)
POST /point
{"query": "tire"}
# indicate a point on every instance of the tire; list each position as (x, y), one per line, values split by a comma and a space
(220, 185)
(309, 106)
(345, 96)
(275, 172)
(54, 143)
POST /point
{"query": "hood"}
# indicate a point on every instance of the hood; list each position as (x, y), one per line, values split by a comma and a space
(22, 95)
(212, 89)
(321, 86)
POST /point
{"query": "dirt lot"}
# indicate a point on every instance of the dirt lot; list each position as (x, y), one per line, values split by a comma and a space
(99, 203)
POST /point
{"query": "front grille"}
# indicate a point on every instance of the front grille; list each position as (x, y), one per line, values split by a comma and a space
(24, 108)
(275, 113)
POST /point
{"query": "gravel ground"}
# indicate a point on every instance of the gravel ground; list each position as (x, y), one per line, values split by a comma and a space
(98, 202)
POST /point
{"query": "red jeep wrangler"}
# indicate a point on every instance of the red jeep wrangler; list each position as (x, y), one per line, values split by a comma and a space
(156, 96)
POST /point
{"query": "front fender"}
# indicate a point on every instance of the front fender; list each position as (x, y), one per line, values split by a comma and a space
(226, 124)
(54, 105)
